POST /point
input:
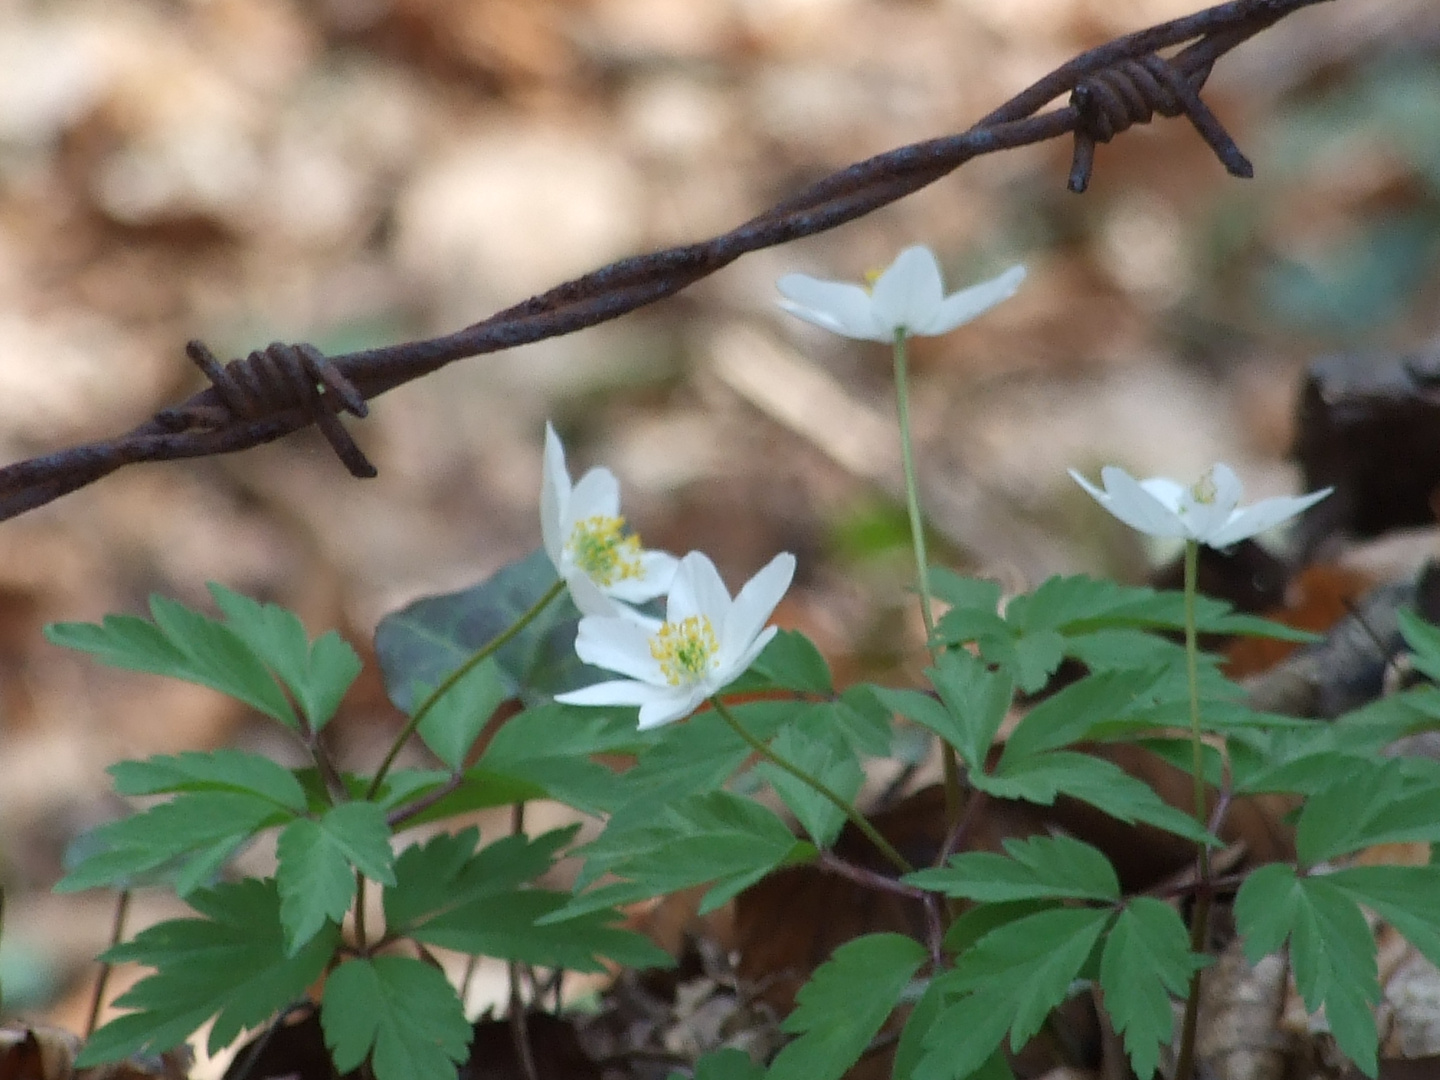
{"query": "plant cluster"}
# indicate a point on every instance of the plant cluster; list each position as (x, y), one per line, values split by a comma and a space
(720, 694)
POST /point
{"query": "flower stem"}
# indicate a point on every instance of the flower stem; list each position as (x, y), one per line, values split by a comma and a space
(479, 656)
(1200, 914)
(912, 486)
(950, 761)
(855, 817)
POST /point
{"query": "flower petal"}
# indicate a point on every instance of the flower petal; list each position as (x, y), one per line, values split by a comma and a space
(657, 572)
(1265, 514)
(753, 606)
(619, 644)
(1127, 500)
(959, 308)
(618, 692)
(676, 704)
(838, 306)
(554, 496)
(741, 663)
(697, 590)
(1170, 492)
(597, 494)
(909, 292)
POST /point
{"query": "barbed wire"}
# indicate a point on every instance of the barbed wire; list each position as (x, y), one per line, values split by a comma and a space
(278, 390)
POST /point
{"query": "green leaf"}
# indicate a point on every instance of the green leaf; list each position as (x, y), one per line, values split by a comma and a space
(1120, 649)
(1011, 978)
(456, 719)
(1043, 867)
(318, 675)
(1404, 896)
(1146, 959)
(724, 1064)
(191, 835)
(425, 641)
(973, 703)
(317, 865)
(447, 895)
(230, 964)
(1424, 641)
(398, 1011)
(716, 837)
(981, 919)
(218, 770)
(815, 744)
(1332, 951)
(1102, 784)
(182, 644)
(964, 592)
(1380, 804)
(1074, 712)
(550, 746)
(792, 662)
(844, 1004)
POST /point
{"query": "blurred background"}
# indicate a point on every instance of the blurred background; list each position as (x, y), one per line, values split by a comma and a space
(360, 172)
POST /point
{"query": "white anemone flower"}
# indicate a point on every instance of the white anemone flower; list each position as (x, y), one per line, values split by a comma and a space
(1208, 512)
(585, 537)
(907, 298)
(706, 641)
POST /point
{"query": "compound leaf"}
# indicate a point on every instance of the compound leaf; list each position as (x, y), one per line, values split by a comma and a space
(1146, 960)
(1041, 868)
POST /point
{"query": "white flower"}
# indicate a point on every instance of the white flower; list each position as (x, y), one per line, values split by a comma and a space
(584, 536)
(1208, 512)
(907, 298)
(706, 642)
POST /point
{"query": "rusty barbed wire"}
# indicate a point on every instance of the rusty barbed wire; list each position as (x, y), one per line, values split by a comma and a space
(283, 388)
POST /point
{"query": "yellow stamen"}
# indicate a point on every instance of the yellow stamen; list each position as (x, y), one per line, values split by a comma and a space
(871, 277)
(598, 546)
(686, 650)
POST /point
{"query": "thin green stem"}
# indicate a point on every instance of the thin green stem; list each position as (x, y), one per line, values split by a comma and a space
(1200, 914)
(855, 817)
(912, 486)
(477, 657)
(950, 761)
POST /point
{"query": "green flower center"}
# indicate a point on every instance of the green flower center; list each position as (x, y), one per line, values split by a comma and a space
(1203, 491)
(598, 546)
(686, 650)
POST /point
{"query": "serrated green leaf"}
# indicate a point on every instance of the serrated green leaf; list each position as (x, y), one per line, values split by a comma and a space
(425, 641)
(1332, 951)
(478, 788)
(216, 770)
(191, 834)
(447, 895)
(398, 1011)
(792, 662)
(974, 924)
(1011, 978)
(1381, 804)
(317, 865)
(1073, 713)
(1424, 641)
(1043, 867)
(973, 703)
(181, 644)
(715, 837)
(317, 674)
(844, 1004)
(1102, 784)
(864, 721)
(814, 743)
(724, 1064)
(1146, 959)
(455, 719)
(964, 592)
(1122, 648)
(230, 964)
(1404, 896)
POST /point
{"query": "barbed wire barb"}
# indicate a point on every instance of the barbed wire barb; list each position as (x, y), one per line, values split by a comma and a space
(279, 390)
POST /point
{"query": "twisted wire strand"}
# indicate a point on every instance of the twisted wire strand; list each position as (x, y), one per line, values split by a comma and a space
(287, 387)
